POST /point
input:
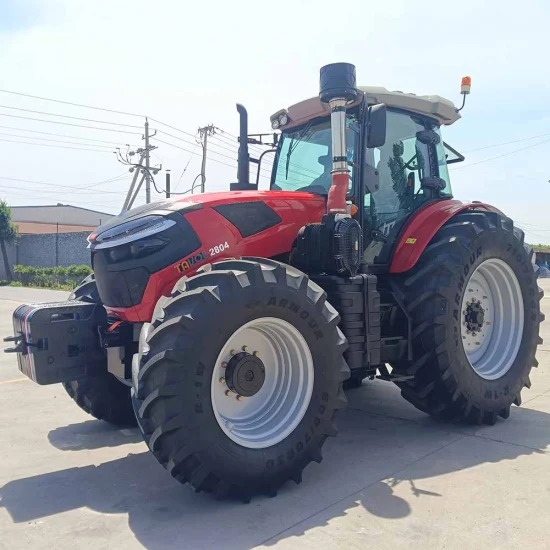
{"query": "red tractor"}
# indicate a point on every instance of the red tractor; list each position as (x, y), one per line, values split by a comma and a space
(228, 324)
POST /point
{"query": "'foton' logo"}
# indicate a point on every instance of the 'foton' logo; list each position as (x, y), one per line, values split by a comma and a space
(188, 263)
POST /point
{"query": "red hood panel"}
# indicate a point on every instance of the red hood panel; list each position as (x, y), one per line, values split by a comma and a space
(228, 197)
(222, 239)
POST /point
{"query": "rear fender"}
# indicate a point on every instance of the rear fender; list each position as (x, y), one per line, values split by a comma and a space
(423, 225)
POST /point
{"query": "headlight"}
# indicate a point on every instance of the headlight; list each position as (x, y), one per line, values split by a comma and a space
(283, 120)
(132, 231)
(275, 124)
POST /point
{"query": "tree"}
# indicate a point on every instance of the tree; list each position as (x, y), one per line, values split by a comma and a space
(8, 235)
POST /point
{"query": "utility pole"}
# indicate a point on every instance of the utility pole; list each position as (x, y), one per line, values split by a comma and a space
(147, 173)
(167, 184)
(139, 168)
(204, 132)
(128, 201)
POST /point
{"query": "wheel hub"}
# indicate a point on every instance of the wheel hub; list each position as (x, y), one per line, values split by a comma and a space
(492, 318)
(245, 374)
(474, 316)
(258, 406)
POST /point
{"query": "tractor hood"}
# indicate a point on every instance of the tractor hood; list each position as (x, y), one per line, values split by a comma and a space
(140, 254)
(283, 199)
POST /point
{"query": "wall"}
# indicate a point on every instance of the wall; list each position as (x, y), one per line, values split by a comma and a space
(43, 251)
(49, 250)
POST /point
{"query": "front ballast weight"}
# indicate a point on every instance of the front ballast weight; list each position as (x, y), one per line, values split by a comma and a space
(58, 342)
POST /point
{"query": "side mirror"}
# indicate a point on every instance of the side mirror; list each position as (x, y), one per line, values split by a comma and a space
(376, 126)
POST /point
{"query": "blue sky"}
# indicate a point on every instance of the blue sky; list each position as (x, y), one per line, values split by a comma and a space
(16, 15)
(188, 63)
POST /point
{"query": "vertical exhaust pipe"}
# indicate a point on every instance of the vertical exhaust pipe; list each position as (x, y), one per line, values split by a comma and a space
(338, 88)
(243, 162)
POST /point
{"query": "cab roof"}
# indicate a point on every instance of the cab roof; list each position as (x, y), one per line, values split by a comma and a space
(442, 110)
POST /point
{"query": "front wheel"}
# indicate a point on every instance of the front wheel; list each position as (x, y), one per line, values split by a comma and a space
(474, 302)
(239, 376)
(100, 394)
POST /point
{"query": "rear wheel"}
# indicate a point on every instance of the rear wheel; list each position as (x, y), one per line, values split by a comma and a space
(474, 302)
(239, 376)
(101, 394)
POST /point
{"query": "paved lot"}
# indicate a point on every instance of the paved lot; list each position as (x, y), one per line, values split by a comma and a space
(393, 478)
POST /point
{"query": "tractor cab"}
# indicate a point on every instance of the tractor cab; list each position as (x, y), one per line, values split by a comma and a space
(396, 158)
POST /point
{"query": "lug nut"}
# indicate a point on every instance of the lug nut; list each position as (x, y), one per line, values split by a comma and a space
(245, 348)
(222, 380)
(470, 290)
(240, 398)
(484, 297)
(256, 353)
(224, 365)
(228, 393)
(232, 352)
(487, 322)
(478, 343)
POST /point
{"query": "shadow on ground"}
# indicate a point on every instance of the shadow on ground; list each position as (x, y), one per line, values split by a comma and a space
(369, 449)
(92, 434)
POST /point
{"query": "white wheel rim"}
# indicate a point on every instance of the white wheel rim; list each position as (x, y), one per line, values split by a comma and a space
(273, 413)
(492, 296)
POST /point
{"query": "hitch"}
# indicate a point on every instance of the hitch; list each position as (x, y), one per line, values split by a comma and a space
(20, 344)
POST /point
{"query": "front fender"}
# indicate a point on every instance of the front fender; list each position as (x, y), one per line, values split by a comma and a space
(423, 225)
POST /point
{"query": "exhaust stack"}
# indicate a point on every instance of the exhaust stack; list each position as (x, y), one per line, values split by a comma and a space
(338, 88)
(243, 160)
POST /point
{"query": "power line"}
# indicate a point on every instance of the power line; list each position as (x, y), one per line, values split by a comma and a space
(55, 140)
(65, 136)
(49, 184)
(194, 153)
(56, 146)
(73, 104)
(503, 155)
(222, 146)
(34, 196)
(71, 117)
(178, 138)
(173, 127)
(68, 124)
(195, 143)
(186, 166)
(506, 143)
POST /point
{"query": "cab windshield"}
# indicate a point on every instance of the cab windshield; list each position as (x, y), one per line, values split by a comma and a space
(304, 157)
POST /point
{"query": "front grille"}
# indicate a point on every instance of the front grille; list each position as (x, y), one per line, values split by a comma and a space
(118, 288)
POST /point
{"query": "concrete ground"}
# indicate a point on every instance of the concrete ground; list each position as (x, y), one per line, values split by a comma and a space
(393, 478)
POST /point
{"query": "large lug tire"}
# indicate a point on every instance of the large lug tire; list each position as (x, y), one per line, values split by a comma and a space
(103, 397)
(475, 307)
(191, 353)
(100, 395)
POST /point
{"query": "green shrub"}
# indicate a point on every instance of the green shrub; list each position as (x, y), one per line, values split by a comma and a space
(62, 278)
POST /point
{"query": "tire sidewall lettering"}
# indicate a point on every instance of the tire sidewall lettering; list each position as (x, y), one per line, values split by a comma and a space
(501, 245)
